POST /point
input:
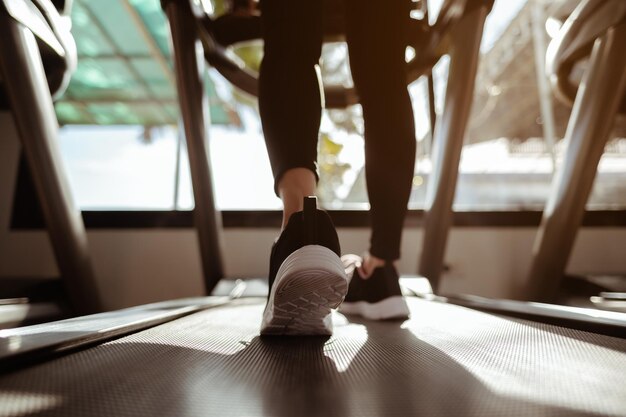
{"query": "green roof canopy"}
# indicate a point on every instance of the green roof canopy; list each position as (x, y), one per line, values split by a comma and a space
(125, 73)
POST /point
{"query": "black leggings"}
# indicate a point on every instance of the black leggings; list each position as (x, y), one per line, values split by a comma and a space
(290, 100)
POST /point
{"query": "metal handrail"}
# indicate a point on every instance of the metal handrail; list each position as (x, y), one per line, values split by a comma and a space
(589, 21)
(218, 33)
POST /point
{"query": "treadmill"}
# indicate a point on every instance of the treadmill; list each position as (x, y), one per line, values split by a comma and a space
(204, 357)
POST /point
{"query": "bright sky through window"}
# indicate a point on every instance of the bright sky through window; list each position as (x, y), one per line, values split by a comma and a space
(121, 168)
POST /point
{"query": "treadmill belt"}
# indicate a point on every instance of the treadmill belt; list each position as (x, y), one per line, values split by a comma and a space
(445, 361)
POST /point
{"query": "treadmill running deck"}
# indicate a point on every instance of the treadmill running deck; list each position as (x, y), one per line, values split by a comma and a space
(445, 361)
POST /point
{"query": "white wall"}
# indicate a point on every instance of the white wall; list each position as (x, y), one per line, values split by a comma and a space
(140, 266)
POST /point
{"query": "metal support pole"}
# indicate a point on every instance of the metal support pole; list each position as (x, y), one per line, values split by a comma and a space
(25, 82)
(179, 144)
(189, 66)
(432, 112)
(430, 89)
(545, 94)
(448, 142)
(597, 102)
(429, 93)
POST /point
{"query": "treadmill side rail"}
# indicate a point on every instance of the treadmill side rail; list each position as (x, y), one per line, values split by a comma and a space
(609, 323)
(37, 342)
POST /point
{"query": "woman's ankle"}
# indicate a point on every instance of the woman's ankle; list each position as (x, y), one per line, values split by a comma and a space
(294, 185)
(369, 264)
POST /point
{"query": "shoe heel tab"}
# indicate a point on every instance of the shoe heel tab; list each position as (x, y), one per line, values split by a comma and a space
(310, 220)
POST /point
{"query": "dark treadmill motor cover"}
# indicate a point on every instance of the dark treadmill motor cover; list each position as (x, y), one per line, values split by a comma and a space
(445, 361)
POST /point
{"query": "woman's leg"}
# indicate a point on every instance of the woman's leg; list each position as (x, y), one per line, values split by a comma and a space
(290, 98)
(306, 276)
(377, 34)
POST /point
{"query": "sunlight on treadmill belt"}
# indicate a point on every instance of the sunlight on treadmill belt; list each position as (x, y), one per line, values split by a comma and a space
(446, 360)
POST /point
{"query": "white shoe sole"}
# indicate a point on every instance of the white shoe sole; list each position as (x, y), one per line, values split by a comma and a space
(309, 283)
(390, 308)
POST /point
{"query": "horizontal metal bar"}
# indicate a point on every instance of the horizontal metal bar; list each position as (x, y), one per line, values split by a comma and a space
(173, 101)
(254, 219)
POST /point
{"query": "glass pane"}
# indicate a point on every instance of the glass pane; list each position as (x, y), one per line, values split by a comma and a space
(241, 171)
(118, 26)
(90, 40)
(506, 163)
(125, 73)
(154, 19)
(120, 167)
(154, 77)
(70, 113)
(609, 189)
(145, 114)
(106, 78)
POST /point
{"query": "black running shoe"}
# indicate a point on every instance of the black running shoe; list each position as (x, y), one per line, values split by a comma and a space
(307, 278)
(376, 298)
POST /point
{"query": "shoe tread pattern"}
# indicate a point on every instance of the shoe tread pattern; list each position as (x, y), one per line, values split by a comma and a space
(303, 302)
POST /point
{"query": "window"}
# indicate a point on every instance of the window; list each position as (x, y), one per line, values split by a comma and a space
(142, 165)
(136, 168)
